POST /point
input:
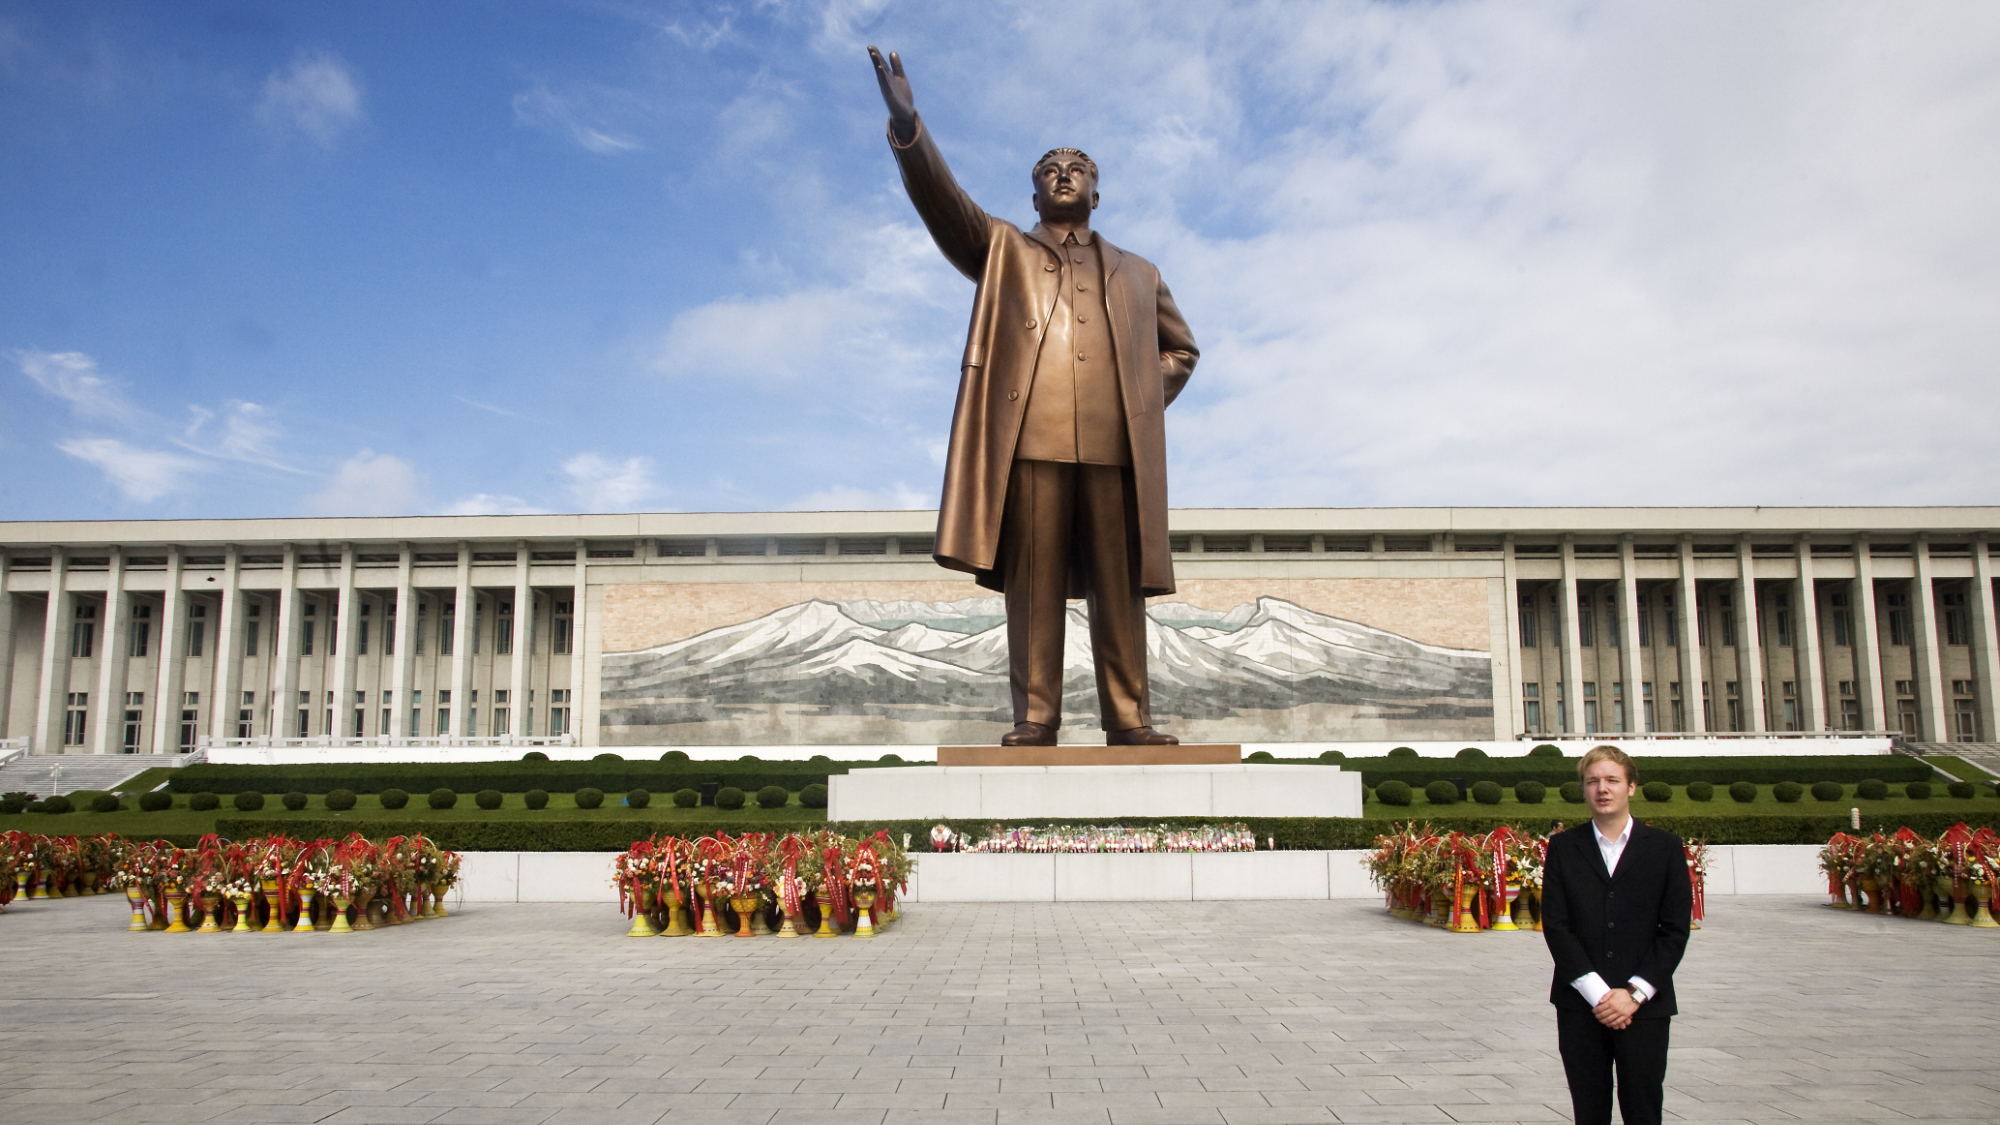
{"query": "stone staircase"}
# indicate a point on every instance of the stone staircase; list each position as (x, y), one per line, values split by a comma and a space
(47, 774)
(1985, 755)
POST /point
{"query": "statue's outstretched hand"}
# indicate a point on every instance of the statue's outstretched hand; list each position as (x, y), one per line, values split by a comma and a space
(896, 94)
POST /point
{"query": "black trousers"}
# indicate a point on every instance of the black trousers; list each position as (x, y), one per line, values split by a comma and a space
(1591, 1052)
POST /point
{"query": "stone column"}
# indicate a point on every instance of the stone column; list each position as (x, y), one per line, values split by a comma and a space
(1749, 641)
(347, 611)
(112, 660)
(1517, 720)
(173, 660)
(1926, 658)
(524, 619)
(578, 614)
(1572, 643)
(228, 680)
(1687, 602)
(7, 645)
(285, 650)
(1813, 694)
(1868, 640)
(1985, 641)
(403, 670)
(1630, 655)
(49, 701)
(462, 618)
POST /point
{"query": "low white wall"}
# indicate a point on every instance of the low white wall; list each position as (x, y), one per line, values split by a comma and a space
(1084, 792)
(1734, 869)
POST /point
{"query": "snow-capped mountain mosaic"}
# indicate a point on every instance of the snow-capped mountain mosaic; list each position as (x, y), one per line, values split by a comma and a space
(824, 671)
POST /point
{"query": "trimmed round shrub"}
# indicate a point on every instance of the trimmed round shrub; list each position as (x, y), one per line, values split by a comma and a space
(393, 798)
(686, 798)
(1546, 750)
(1331, 756)
(1394, 793)
(442, 798)
(13, 805)
(1403, 752)
(819, 759)
(159, 800)
(1828, 791)
(1918, 790)
(1743, 792)
(1658, 792)
(104, 802)
(1441, 792)
(1471, 752)
(638, 799)
(1700, 791)
(1788, 792)
(589, 798)
(813, 796)
(488, 799)
(773, 797)
(1487, 792)
(1530, 792)
(1960, 789)
(536, 798)
(1259, 756)
(607, 756)
(340, 800)
(205, 802)
(1873, 789)
(1996, 789)
(58, 804)
(534, 756)
(674, 756)
(891, 759)
(1572, 792)
(295, 800)
(729, 797)
(749, 758)
(248, 802)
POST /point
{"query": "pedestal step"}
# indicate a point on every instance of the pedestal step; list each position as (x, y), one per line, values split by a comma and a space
(1197, 755)
(1085, 792)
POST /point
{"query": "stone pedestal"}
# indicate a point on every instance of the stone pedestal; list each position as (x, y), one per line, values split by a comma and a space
(1197, 755)
(1085, 792)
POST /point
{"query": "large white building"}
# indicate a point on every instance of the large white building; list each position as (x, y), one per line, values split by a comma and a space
(831, 628)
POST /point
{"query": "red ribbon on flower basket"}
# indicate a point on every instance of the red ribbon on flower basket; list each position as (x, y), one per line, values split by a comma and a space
(835, 866)
(1496, 842)
(1697, 877)
(791, 850)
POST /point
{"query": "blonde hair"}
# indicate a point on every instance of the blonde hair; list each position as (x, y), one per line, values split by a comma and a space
(1608, 754)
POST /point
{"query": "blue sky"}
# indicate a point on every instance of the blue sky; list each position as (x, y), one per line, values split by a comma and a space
(352, 258)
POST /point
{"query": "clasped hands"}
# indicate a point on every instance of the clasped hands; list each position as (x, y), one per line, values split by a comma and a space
(1616, 1010)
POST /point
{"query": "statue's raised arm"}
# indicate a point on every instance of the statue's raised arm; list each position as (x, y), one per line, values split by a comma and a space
(957, 224)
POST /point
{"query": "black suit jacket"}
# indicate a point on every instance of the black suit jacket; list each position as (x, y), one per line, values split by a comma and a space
(1632, 923)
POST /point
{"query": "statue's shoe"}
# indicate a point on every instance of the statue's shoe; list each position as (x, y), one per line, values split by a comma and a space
(1029, 734)
(1139, 736)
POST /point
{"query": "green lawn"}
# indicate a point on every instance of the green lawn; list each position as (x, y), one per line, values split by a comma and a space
(1722, 805)
(131, 823)
(1958, 767)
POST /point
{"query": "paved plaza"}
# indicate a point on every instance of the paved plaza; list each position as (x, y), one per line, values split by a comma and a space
(1109, 1014)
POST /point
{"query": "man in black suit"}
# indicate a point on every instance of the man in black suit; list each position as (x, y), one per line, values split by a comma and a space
(1616, 903)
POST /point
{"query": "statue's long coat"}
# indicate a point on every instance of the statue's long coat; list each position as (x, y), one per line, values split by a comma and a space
(1017, 274)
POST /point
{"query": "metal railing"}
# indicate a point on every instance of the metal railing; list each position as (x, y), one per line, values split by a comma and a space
(1671, 736)
(334, 742)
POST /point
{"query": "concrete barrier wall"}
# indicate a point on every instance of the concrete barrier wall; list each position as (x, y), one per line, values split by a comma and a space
(1734, 869)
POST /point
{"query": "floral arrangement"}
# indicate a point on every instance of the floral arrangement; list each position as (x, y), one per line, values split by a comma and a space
(810, 880)
(267, 879)
(1111, 838)
(1902, 873)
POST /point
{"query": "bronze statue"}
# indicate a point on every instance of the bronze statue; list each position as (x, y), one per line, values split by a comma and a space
(1056, 483)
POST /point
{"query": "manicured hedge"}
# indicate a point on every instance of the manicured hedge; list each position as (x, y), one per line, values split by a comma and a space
(1552, 772)
(1293, 833)
(510, 777)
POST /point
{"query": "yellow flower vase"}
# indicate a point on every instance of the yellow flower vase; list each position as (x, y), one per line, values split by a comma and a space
(1468, 911)
(1982, 917)
(437, 901)
(709, 926)
(825, 902)
(305, 924)
(211, 914)
(242, 904)
(642, 926)
(275, 923)
(864, 923)
(340, 924)
(1503, 919)
(1958, 916)
(676, 911)
(176, 919)
(137, 899)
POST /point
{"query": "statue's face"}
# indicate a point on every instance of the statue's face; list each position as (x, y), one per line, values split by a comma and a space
(1065, 188)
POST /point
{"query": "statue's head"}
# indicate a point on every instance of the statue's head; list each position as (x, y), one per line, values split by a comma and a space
(1065, 185)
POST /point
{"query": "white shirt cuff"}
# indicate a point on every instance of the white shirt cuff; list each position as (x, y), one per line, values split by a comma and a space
(1641, 989)
(1592, 987)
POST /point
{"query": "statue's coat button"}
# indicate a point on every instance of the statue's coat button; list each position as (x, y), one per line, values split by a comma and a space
(1012, 395)
(1031, 326)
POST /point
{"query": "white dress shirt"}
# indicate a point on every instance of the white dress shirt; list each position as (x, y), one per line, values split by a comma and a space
(1591, 985)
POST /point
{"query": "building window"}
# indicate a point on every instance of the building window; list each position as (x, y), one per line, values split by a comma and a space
(444, 713)
(1850, 714)
(1611, 633)
(1899, 618)
(561, 641)
(197, 634)
(1783, 619)
(78, 706)
(388, 637)
(361, 642)
(1645, 623)
(190, 723)
(1586, 626)
(447, 625)
(1727, 614)
(1957, 629)
(1906, 687)
(1673, 623)
(422, 612)
(1528, 637)
(1843, 629)
(559, 715)
(1965, 720)
(306, 637)
(142, 630)
(1590, 708)
(250, 632)
(83, 633)
(503, 635)
(478, 617)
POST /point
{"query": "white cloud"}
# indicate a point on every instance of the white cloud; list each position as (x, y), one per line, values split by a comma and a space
(370, 484)
(842, 498)
(484, 504)
(316, 95)
(603, 485)
(73, 377)
(541, 108)
(140, 474)
(248, 433)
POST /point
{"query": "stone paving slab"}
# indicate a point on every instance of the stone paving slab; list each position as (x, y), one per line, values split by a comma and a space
(986, 1014)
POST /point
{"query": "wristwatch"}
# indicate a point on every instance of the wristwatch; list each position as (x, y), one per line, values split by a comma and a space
(1634, 994)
